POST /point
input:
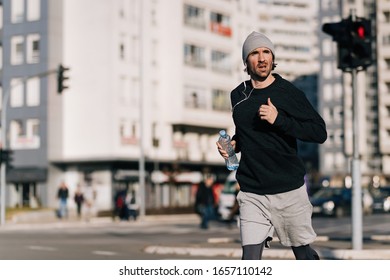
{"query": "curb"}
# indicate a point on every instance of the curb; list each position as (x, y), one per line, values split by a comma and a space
(281, 254)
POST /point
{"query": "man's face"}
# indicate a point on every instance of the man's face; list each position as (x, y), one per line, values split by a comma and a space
(260, 63)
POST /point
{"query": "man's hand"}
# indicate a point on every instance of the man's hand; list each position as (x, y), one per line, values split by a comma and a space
(224, 153)
(268, 112)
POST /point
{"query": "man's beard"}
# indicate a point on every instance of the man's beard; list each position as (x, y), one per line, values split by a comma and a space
(259, 77)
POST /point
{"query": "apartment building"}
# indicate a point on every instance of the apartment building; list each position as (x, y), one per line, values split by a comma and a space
(383, 83)
(149, 86)
(372, 93)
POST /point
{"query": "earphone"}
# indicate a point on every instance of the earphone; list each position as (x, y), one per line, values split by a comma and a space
(245, 98)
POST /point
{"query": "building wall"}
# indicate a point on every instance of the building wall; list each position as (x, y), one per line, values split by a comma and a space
(149, 79)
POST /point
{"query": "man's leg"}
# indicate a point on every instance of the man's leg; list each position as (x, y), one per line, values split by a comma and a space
(305, 252)
(252, 252)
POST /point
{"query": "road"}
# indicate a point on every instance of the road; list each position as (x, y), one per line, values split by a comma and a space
(105, 239)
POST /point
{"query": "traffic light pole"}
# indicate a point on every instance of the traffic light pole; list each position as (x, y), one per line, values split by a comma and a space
(141, 163)
(354, 42)
(357, 215)
(3, 164)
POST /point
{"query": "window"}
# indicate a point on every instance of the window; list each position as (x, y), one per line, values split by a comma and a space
(220, 61)
(32, 128)
(17, 56)
(128, 132)
(221, 100)
(387, 61)
(386, 15)
(33, 90)
(194, 17)
(195, 98)
(1, 57)
(33, 10)
(122, 51)
(16, 128)
(338, 137)
(17, 11)
(327, 47)
(327, 70)
(338, 91)
(33, 46)
(387, 87)
(327, 92)
(24, 137)
(1, 16)
(386, 40)
(16, 93)
(194, 55)
(338, 113)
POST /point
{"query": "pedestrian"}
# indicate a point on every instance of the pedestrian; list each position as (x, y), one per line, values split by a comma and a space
(90, 196)
(234, 211)
(205, 201)
(62, 195)
(270, 114)
(132, 206)
(79, 200)
(119, 203)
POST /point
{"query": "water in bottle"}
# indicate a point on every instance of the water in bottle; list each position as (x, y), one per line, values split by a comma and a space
(224, 140)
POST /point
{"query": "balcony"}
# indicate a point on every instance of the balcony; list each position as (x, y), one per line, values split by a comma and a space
(220, 29)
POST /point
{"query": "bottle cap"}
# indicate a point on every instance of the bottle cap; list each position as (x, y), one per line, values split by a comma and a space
(222, 132)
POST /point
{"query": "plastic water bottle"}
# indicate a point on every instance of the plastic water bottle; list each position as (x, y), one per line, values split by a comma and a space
(224, 140)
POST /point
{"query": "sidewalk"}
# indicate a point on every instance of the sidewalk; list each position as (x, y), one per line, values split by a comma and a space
(224, 247)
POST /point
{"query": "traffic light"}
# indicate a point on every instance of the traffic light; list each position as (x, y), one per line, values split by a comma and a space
(6, 157)
(61, 77)
(361, 50)
(353, 39)
(341, 35)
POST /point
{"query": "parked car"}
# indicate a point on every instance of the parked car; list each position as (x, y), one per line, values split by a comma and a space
(337, 201)
(381, 197)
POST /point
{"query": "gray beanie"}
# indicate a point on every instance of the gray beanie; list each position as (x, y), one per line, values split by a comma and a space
(253, 41)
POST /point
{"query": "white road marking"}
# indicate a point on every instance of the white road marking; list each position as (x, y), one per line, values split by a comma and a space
(104, 253)
(42, 248)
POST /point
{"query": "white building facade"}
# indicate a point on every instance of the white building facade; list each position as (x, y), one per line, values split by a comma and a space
(149, 83)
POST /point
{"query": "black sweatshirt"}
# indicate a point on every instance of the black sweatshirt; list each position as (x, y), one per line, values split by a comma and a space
(269, 163)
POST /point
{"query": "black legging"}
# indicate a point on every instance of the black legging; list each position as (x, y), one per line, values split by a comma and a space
(305, 252)
(252, 252)
(255, 252)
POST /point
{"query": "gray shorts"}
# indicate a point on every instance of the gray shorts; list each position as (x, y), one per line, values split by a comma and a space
(289, 214)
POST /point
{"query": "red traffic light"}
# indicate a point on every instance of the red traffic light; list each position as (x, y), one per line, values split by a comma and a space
(360, 29)
(354, 39)
(361, 32)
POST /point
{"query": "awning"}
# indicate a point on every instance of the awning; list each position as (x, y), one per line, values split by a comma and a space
(25, 175)
(193, 177)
